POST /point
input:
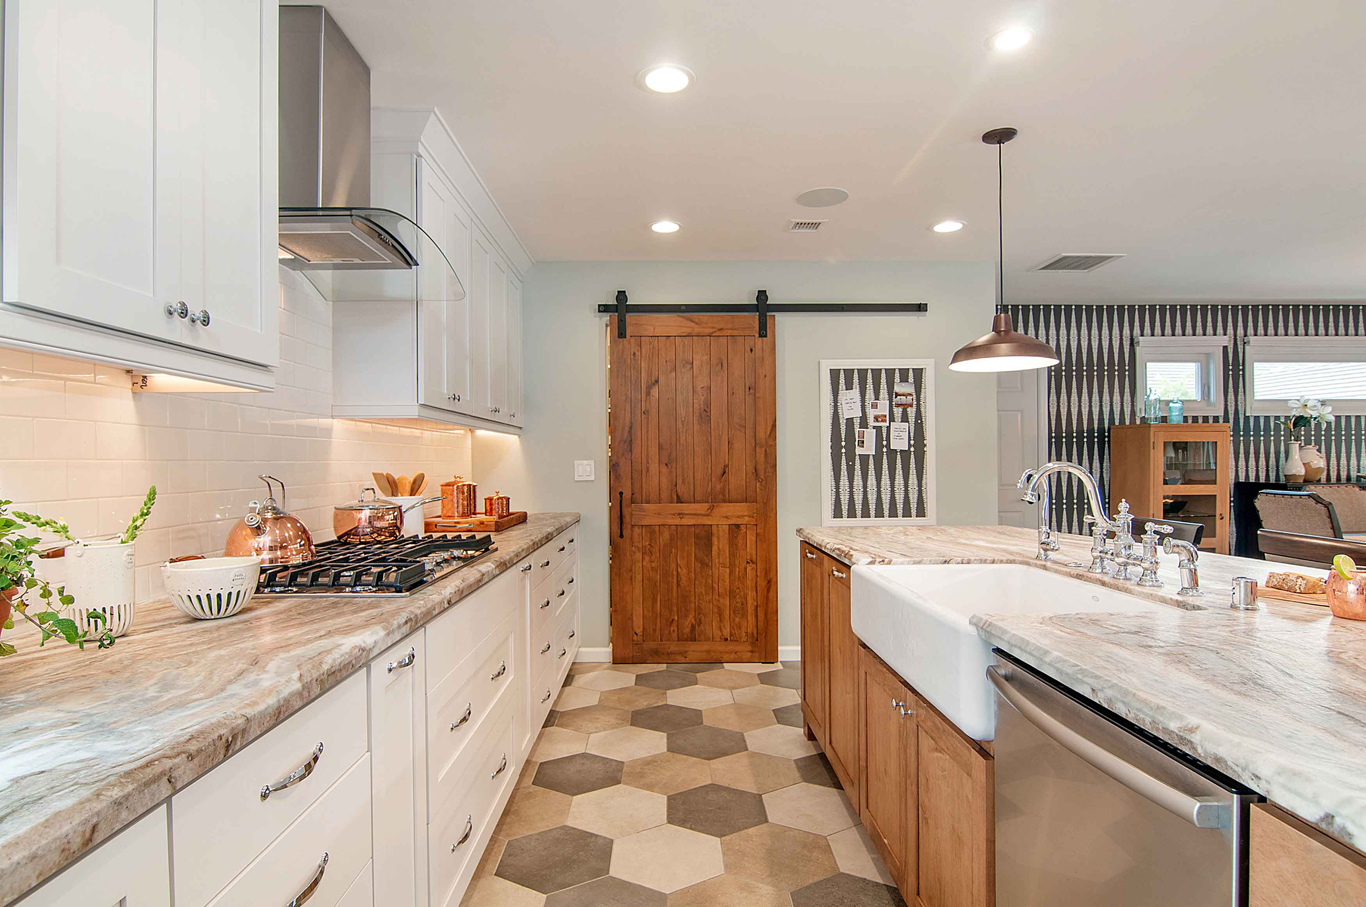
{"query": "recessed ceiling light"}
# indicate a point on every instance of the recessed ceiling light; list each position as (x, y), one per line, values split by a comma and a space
(664, 226)
(665, 79)
(948, 226)
(1012, 38)
(825, 197)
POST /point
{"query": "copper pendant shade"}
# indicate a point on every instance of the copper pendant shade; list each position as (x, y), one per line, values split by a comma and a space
(1004, 349)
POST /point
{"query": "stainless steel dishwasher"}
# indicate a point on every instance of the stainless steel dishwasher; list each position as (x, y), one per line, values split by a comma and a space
(1092, 811)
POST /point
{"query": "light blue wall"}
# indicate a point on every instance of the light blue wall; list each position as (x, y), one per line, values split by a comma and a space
(566, 390)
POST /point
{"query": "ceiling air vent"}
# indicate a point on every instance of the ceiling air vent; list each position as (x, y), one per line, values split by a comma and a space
(805, 226)
(1077, 262)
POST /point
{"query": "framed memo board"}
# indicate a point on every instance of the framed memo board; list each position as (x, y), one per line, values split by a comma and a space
(877, 417)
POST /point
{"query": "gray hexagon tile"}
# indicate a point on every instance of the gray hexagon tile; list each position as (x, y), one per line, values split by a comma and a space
(716, 810)
(549, 861)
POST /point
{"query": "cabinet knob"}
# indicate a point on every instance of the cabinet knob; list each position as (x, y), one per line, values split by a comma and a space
(177, 308)
(839, 573)
(809, 555)
(455, 397)
(200, 318)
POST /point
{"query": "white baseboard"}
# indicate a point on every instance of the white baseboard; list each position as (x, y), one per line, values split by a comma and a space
(604, 654)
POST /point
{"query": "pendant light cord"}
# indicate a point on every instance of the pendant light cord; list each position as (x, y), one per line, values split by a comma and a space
(1000, 231)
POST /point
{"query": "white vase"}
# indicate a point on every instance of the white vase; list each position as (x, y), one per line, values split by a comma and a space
(1293, 467)
(1314, 463)
(100, 577)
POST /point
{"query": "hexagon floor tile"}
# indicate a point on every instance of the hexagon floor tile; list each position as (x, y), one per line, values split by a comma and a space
(716, 810)
(666, 858)
(679, 786)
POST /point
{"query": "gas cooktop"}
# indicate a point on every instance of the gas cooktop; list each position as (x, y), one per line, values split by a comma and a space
(377, 568)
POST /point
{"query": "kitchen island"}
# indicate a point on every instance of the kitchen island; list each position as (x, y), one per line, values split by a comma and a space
(1275, 699)
(90, 741)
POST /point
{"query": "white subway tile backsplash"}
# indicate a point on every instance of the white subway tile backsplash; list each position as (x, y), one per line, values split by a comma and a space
(77, 444)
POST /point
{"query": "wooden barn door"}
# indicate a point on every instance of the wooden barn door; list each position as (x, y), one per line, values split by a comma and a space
(693, 484)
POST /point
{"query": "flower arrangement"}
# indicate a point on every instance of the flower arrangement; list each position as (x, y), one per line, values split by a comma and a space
(1305, 412)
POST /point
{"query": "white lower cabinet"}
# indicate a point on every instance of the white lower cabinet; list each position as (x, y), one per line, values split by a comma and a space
(398, 765)
(131, 869)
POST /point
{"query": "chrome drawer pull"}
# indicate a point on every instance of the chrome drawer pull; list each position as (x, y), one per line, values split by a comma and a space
(809, 555)
(834, 572)
(502, 669)
(571, 541)
(905, 712)
(560, 594)
(405, 661)
(502, 767)
(573, 633)
(526, 569)
(562, 547)
(469, 830)
(546, 649)
(546, 697)
(545, 564)
(571, 581)
(295, 776)
(302, 897)
(464, 719)
(545, 604)
(562, 653)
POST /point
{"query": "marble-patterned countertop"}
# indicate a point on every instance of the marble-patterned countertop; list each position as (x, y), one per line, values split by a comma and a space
(1274, 698)
(89, 741)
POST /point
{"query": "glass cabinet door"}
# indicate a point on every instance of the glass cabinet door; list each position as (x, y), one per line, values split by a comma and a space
(1190, 462)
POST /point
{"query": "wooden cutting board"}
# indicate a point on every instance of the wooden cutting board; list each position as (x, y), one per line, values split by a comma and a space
(476, 523)
(1299, 598)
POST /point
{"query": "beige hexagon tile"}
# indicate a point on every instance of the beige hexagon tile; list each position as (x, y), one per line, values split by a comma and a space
(810, 807)
(857, 855)
(778, 856)
(752, 667)
(532, 809)
(615, 812)
(729, 890)
(571, 698)
(767, 697)
(589, 667)
(667, 858)
(667, 773)
(739, 717)
(637, 669)
(755, 772)
(781, 740)
(726, 679)
(492, 891)
(626, 743)
(604, 680)
(701, 697)
(528, 774)
(632, 698)
(555, 742)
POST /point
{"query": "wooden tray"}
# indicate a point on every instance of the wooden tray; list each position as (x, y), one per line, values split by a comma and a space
(1299, 598)
(476, 523)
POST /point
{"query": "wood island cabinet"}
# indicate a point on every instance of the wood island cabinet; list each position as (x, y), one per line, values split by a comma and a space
(924, 790)
(1292, 864)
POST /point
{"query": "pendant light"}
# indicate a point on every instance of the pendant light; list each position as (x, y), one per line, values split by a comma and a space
(1004, 349)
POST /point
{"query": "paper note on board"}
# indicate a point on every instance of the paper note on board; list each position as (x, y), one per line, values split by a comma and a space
(865, 441)
(900, 438)
(849, 404)
(878, 412)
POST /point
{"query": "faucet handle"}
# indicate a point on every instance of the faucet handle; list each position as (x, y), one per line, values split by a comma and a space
(1156, 529)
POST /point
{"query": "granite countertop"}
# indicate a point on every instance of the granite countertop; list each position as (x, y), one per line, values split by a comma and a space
(1274, 698)
(89, 741)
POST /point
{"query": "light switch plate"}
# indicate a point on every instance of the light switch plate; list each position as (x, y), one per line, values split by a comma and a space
(583, 470)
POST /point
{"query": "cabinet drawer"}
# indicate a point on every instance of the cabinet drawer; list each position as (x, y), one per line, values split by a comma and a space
(462, 706)
(453, 636)
(221, 821)
(362, 891)
(564, 583)
(546, 560)
(325, 850)
(563, 644)
(131, 869)
(458, 828)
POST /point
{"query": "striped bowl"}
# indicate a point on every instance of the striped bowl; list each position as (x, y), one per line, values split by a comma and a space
(212, 587)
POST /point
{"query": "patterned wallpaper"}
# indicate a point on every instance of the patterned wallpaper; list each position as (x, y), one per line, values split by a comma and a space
(1093, 387)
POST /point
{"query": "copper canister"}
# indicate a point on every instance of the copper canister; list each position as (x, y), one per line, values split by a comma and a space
(466, 495)
(448, 499)
(497, 505)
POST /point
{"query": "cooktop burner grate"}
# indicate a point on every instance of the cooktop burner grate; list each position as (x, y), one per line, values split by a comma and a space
(377, 568)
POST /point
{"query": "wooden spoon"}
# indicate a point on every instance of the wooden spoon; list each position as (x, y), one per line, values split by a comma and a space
(393, 482)
(382, 483)
(419, 481)
(405, 485)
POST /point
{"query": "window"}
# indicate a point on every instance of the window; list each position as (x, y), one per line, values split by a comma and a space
(1332, 369)
(1189, 369)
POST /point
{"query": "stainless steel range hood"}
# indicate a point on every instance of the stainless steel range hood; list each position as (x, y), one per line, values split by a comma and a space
(349, 250)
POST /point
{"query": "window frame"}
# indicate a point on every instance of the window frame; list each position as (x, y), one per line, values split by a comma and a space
(1207, 350)
(1300, 349)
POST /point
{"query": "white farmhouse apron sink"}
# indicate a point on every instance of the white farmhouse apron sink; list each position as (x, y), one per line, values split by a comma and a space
(917, 619)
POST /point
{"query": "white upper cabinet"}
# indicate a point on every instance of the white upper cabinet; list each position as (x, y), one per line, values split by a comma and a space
(140, 173)
(514, 350)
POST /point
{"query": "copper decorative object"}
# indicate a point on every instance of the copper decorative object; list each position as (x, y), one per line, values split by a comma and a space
(270, 533)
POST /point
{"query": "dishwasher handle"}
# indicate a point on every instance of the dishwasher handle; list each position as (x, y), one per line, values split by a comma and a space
(1201, 812)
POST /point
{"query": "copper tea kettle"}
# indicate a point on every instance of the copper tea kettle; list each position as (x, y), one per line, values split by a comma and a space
(268, 532)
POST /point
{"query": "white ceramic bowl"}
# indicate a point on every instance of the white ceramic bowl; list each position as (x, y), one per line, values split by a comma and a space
(212, 587)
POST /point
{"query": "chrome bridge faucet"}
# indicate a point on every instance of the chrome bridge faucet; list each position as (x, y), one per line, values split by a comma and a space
(1123, 552)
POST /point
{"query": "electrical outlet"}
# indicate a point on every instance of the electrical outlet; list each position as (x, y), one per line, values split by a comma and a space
(583, 470)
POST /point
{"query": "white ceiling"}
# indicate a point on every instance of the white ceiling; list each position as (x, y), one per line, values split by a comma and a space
(1221, 144)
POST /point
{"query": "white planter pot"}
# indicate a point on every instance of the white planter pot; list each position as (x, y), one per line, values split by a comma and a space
(99, 575)
(1293, 467)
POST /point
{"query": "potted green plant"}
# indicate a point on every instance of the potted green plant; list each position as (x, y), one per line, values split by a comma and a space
(100, 574)
(19, 581)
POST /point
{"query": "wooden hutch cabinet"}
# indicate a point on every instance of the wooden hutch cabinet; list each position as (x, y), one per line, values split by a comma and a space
(1178, 472)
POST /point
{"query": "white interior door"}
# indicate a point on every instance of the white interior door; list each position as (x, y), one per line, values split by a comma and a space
(1021, 433)
(84, 126)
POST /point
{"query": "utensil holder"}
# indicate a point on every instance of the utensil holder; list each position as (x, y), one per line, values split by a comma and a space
(100, 577)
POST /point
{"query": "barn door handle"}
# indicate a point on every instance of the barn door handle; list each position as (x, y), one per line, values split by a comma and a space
(621, 515)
